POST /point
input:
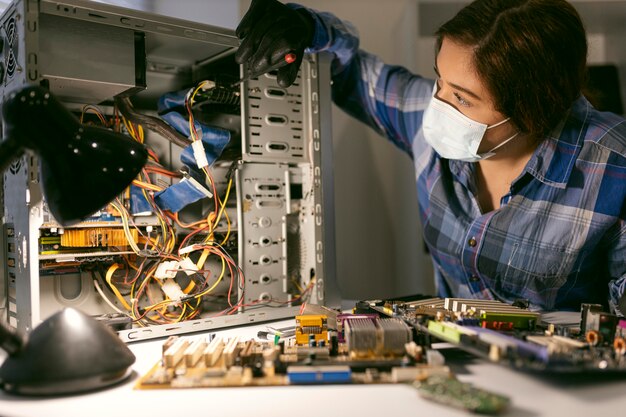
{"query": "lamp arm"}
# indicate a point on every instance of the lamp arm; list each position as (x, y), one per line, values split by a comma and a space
(10, 150)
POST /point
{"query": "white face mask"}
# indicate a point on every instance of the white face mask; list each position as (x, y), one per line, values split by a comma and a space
(454, 135)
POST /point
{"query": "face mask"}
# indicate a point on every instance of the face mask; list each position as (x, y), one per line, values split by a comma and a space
(454, 135)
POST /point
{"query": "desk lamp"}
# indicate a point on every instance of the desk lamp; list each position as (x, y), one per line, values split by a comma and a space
(82, 169)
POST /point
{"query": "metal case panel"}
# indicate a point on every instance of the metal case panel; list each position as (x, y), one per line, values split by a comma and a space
(274, 130)
(86, 61)
(262, 206)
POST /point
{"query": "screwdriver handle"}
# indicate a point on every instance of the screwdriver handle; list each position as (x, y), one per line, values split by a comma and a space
(289, 58)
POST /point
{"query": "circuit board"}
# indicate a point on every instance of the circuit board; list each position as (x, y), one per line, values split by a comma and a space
(517, 337)
(322, 348)
(374, 351)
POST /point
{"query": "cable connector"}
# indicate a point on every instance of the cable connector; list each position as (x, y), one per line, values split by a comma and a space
(199, 153)
(172, 290)
(167, 269)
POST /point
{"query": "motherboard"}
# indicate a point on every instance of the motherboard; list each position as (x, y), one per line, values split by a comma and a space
(517, 337)
(323, 347)
(397, 341)
(370, 350)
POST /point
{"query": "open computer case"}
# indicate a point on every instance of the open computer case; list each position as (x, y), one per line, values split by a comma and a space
(255, 250)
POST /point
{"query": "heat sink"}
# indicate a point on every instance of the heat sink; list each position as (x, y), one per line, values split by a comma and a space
(97, 237)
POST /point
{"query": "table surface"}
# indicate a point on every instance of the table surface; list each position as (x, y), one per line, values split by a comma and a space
(531, 394)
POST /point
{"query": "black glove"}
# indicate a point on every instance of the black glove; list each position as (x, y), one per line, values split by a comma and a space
(269, 31)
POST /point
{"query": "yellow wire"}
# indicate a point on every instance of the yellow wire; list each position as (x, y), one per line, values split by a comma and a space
(210, 236)
(109, 276)
(189, 287)
(203, 257)
(230, 183)
(182, 313)
(297, 285)
(219, 279)
(191, 118)
(147, 186)
(126, 227)
(96, 111)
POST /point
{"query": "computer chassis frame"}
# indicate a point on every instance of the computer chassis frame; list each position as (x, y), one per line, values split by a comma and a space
(32, 33)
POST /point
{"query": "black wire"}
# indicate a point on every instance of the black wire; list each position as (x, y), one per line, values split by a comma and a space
(153, 123)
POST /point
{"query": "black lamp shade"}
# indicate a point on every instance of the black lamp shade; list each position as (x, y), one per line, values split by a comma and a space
(82, 167)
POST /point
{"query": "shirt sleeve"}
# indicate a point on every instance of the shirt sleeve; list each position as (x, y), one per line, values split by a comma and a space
(617, 269)
(388, 98)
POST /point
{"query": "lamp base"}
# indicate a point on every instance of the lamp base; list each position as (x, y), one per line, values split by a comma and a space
(68, 353)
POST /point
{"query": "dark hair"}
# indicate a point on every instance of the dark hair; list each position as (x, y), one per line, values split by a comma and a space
(531, 55)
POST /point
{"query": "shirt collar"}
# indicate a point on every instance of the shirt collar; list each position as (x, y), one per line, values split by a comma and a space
(555, 157)
(463, 172)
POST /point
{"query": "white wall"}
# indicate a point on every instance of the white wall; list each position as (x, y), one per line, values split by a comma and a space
(379, 246)
(222, 13)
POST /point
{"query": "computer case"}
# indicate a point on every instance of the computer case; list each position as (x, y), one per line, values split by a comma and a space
(280, 213)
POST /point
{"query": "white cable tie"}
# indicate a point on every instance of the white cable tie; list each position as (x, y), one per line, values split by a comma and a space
(198, 152)
(187, 249)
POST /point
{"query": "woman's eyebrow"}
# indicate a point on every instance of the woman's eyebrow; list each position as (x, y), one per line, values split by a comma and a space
(458, 87)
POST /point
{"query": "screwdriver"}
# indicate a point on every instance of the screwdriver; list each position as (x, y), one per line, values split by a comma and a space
(287, 59)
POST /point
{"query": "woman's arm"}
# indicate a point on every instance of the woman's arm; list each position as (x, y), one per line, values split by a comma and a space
(388, 98)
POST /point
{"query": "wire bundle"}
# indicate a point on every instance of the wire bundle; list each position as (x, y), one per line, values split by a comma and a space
(142, 287)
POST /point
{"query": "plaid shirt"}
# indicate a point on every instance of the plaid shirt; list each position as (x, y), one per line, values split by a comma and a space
(559, 237)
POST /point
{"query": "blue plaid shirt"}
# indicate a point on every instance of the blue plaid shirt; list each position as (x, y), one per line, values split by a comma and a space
(559, 237)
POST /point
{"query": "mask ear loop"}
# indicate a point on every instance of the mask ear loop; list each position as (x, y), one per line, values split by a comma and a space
(499, 123)
(505, 142)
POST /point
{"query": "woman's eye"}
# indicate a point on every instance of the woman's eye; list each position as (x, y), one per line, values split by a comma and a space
(461, 100)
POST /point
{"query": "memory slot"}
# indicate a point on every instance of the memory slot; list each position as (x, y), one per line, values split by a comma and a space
(213, 351)
(174, 354)
(448, 331)
(556, 343)
(454, 304)
(494, 307)
(507, 344)
(429, 302)
(194, 352)
(463, 307)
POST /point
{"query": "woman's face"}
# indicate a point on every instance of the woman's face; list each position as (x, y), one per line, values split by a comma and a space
(459, 85)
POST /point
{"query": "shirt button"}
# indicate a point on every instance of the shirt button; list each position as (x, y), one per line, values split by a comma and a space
(472, 242)
(474, 278)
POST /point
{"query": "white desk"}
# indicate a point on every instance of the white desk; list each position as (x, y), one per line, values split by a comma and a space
(531, 395)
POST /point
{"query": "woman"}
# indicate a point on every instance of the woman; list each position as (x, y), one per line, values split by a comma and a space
(521, 182)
